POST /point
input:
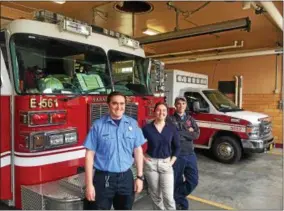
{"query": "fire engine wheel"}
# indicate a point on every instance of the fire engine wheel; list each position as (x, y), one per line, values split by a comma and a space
(227, 149)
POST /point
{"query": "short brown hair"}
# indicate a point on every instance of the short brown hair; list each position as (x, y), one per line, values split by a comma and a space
(115, 93)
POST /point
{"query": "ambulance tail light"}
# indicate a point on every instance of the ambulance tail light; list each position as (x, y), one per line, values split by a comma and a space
(43, 118)
(40, 141)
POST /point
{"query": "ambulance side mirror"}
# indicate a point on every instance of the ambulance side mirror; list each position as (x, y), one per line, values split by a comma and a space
(196, 106)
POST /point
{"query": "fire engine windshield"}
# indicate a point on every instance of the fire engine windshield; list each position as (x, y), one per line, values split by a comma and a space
(220, 101)
(129, 73)
(53, 66)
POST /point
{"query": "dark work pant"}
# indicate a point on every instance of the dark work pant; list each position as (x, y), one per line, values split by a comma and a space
(185, 166)
(115, 189)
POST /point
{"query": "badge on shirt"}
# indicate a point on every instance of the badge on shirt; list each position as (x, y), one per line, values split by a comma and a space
(188, 122)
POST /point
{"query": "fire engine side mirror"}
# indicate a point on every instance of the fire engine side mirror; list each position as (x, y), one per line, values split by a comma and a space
(159, 76)
(196, 106)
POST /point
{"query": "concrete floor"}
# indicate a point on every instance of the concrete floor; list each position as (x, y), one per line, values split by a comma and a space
(256, 182)
(145, 204)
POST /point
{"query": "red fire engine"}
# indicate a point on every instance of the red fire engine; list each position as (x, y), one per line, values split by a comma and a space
(55, 76)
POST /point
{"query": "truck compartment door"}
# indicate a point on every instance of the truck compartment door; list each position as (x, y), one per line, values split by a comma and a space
(5, 131)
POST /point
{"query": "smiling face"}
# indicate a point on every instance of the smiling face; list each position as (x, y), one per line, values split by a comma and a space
(161, 112)
(117, 106)
(180, 106)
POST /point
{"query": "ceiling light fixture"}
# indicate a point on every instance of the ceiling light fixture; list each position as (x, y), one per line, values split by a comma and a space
(59, 1)
(150, 32)
(241, 24)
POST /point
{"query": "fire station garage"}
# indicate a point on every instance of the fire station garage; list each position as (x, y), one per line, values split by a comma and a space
(224, 58)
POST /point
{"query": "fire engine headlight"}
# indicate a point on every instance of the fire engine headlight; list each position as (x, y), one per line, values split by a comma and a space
(253, 131)
(38, 142)
(55, 140)
(70, 137)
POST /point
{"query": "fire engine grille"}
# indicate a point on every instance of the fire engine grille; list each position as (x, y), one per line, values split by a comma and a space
(98, 110)
(51, 196)
(31, 200)
(265, 129)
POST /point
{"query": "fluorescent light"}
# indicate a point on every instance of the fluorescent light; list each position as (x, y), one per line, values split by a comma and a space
(150, 32)
(59, 1)
(240, 24)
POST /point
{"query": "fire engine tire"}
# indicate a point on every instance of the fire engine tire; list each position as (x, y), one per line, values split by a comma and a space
(227, 149)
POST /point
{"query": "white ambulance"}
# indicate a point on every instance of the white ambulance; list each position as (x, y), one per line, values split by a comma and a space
(227, 130)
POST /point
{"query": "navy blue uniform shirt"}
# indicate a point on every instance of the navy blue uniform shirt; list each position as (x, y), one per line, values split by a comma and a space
(164, 144)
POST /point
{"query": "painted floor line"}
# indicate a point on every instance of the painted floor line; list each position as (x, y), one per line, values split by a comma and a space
(212, 203)
(275, 153)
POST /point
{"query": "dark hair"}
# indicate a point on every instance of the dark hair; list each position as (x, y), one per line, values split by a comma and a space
(112, 94)
(160, 103)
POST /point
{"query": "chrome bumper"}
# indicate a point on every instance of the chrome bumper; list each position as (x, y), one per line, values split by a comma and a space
(258, 145)
(64, 194)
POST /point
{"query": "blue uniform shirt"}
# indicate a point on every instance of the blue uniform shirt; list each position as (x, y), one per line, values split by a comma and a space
(114, 145)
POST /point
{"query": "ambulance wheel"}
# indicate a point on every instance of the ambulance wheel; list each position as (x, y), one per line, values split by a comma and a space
(227, 149)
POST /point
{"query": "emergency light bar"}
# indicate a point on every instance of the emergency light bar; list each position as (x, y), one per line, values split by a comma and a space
(79, 27)
(42, 118)
(49, 17)
(125, 41)
(68, 25)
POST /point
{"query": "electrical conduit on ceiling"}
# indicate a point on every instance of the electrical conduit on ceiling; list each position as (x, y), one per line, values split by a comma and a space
(273, 12)
(233, 55)
(235, 45)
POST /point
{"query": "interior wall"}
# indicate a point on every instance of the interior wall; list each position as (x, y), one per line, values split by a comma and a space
(258, 72)
(259, 75)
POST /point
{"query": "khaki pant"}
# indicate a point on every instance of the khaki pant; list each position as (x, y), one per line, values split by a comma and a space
(160, 178)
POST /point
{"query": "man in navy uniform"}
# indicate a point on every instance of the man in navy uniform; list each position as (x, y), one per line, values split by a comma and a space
(185, 167)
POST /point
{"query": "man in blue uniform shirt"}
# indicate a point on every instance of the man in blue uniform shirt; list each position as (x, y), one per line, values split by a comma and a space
(110, 145)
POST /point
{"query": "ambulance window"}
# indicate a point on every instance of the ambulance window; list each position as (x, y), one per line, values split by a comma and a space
(195, 96)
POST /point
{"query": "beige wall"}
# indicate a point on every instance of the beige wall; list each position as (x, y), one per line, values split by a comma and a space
(258, 72)
(259, 83)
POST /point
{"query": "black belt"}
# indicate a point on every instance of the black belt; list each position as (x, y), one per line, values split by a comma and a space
(110, 173)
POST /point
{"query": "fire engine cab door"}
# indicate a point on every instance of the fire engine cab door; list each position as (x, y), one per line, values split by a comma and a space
(203, 117)
(5, 130)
